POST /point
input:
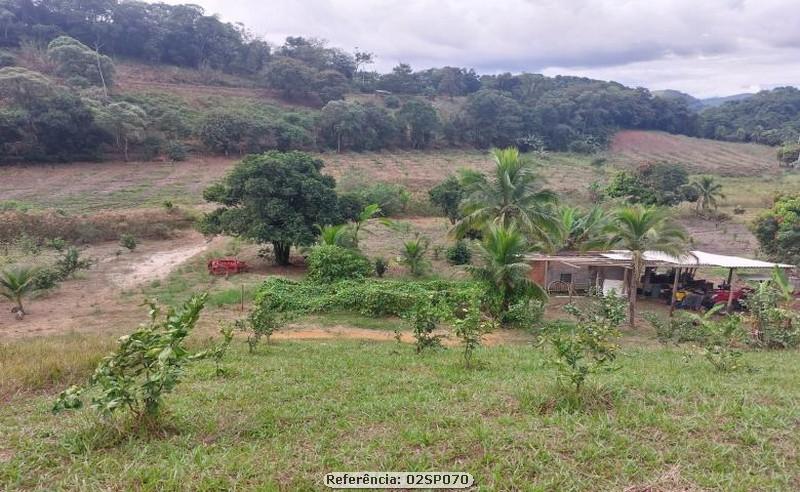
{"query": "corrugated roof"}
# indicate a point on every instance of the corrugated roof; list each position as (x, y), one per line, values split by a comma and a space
(696, 259)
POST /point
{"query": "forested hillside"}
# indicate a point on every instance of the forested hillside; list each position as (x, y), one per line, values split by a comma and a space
(66, 94)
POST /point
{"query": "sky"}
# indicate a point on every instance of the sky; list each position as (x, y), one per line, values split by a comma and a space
(704, 47)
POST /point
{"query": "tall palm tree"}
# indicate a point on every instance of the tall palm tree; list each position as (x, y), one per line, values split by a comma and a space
(503, 265)
(16, 283)
(708, 191)
(638, 229)
(512, 193)
(579, 230)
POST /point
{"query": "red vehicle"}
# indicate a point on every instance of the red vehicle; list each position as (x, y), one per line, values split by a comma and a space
(720, 296)
(226, 266)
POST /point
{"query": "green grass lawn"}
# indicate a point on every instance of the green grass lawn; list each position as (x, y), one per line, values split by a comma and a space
(294, 411)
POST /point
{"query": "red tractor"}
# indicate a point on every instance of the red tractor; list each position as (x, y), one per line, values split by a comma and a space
(226, 266)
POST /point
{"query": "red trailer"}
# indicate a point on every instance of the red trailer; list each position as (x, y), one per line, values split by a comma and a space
(226, 266)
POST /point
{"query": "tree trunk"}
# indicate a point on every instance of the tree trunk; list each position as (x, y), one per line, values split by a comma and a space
(281, 251)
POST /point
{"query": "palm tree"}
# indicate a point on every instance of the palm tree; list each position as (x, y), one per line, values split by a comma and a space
(413, 256)
(639, 229)
(369, 212)
(579, 230)
(708, 191)
(512, 194)
(335, 235)
(504, 267)
(16, 283)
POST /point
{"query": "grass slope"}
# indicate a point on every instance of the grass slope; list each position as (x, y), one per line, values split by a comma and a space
(294, 411)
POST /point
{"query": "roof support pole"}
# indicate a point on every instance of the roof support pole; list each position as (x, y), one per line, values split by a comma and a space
(674, 291)
(731, 279)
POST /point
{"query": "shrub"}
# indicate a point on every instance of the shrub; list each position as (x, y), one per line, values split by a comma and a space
(70, 262)
(329, 263)
(524, 314)
(459, 253)
(7, 59)
(381, 265)
(127, 241)
(147, 365)
(368, 297)
(587, 347)
(424, 318)
(262, 322)
(392, 102)
(46, 279)
(470, 327)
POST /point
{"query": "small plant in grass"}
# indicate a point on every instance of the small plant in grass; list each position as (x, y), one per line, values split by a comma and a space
(217, 353)
(127, 241)
(470, 327)
(588, 346)
(381, 266)
(147, 365)
(262, 323)
(57, 244)
(459, 253)
(70, 262)
(168, 205)
(424, 317)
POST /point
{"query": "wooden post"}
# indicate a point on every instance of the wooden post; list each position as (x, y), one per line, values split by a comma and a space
(242, 299)
(546, 272)
(674, 291)
(731, 280)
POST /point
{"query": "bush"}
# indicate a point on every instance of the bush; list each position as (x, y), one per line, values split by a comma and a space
(392, 102)
(147, 365)
(127, 241)
(381, 265)
(330, 263)
(525, 314)
(459, 254)
(46, 279)
(70, 262)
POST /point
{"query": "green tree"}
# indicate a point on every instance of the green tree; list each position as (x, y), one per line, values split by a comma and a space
(276, 198)
(124, 121)
(419, 122)
(512, 194)
(370, 211)
(580, 230)
(708, 191)
(502, 267)
(75, 60)
(447, 196)
(639, 229)
(16, 283)
(778, 229)
(293, 78)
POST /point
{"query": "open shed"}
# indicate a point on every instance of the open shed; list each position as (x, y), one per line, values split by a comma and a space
(578, 273)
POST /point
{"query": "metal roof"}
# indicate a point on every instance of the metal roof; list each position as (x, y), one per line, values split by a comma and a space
(693, 259)
(696, 259)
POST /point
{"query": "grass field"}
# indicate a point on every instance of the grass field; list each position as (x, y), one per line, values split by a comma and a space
(288, 414)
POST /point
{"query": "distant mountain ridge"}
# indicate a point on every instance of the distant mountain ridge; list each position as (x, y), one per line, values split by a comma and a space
(699, 104)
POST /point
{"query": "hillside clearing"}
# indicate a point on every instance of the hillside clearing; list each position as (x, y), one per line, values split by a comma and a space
(701, 156)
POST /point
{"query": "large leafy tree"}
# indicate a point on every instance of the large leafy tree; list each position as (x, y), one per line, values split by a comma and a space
(419, 121)
(639, 229)
(511, 194)
(278, 198)
(709, 191)
(502, 266)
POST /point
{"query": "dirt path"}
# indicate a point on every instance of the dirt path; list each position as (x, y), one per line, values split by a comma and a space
(305, 331)
(94, 302)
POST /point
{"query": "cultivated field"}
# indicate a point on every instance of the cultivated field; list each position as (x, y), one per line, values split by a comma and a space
(698, 155)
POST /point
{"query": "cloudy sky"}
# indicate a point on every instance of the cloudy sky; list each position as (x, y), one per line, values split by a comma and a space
(703, 47)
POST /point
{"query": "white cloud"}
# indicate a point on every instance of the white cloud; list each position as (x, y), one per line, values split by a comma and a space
(705, 47)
